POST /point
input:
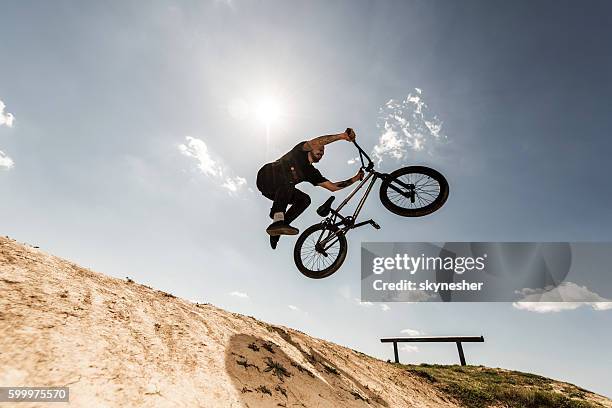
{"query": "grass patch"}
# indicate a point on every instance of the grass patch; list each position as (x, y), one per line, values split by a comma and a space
(268, 346)
(276, 369)
(264, 390)
(246, 364)
(253, 346)
(481, 387)
(281, 390)
(423, 374)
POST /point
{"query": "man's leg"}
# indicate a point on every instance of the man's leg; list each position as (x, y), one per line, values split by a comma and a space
(299, 202)
(273, 238)
(283, 196)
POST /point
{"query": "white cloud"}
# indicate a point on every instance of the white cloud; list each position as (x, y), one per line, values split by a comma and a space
(384, 307)
(297, 310)
(412, 332)
(6, 118)
(345, 292)
(233, 184)
(241, 295)
(546, 307)
(407, 126)
(197, 149)
(409, 348)
(601, 305)
(211, 166)
(363, 304)
(5, 161)
(566, 296)
(553, 307)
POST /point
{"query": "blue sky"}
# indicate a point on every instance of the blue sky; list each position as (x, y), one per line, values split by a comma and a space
(101, 97)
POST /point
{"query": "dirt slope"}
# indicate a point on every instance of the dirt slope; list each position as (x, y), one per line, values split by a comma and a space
(121, 344)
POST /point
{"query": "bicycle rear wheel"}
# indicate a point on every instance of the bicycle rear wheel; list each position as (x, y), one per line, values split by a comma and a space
(320, 251)
(414, 191)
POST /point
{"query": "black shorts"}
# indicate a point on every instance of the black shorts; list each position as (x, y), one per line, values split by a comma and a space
(270, 178)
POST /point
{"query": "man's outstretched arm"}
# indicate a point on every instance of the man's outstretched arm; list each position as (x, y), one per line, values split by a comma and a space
(339, 185)
(317, 142)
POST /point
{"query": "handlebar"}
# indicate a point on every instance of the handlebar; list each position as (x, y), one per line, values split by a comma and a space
(363, 154)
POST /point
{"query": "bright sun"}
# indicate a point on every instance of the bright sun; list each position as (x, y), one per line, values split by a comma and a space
(268, 111)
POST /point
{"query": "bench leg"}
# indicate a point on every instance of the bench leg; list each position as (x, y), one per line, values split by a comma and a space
(395, 352)
(460, 350)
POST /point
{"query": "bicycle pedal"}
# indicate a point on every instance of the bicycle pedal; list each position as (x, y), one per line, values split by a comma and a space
(375, 225)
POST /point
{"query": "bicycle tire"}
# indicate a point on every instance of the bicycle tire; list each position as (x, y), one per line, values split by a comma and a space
(435, 204)
(329, 270)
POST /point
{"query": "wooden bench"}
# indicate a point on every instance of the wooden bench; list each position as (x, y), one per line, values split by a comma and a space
(434, 339)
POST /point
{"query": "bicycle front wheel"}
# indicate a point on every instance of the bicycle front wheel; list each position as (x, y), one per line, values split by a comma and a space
(320, 251)
(414, 191)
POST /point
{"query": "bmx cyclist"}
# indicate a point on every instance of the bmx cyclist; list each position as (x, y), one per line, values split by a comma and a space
(277, 181)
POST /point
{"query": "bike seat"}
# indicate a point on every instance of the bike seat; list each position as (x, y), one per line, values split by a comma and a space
(324, 209)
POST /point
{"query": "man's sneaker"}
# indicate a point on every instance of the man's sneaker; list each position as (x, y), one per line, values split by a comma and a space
(274, 241)
(281, 228)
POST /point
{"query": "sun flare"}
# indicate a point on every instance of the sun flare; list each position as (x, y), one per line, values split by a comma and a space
(268, 111)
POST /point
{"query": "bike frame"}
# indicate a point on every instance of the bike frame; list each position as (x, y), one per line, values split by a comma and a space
(347, 223)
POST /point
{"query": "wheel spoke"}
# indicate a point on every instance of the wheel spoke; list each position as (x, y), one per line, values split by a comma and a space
(314, 260)
(427, 190)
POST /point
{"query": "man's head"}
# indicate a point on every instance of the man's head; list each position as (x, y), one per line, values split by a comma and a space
(316, 154)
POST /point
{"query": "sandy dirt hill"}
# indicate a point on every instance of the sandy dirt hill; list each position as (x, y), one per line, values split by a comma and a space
(116, 343)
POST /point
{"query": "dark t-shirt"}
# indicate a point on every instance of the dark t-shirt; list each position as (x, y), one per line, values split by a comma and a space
(297, 168)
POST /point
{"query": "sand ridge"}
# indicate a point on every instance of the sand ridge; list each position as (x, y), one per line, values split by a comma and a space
(118, 343)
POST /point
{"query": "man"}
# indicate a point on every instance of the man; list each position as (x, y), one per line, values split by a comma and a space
(277, 181)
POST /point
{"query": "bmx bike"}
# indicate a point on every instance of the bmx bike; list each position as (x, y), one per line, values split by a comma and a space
(412, 191)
